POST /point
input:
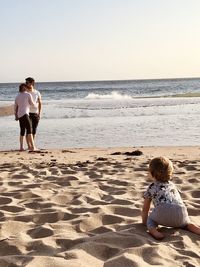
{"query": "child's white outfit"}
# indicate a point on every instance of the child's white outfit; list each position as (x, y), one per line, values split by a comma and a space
(169, 209)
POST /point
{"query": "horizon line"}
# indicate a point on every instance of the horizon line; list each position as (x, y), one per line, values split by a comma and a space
(109, 80)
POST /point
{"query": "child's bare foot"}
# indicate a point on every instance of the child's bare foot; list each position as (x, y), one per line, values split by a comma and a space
(193, 228)
(156, 234)
(21, 149)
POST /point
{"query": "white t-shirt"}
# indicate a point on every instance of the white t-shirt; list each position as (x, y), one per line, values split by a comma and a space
(35, 95)
(23, 102)
(161, 192)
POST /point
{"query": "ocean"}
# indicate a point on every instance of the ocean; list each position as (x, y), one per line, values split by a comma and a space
(110, 114)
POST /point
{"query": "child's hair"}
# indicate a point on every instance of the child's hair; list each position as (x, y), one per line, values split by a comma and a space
(21, 87)
(161, 168)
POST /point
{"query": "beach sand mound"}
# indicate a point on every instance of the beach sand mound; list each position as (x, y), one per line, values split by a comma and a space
(71, 209)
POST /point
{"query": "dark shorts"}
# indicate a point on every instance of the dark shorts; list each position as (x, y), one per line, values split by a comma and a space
(34, 117)
(25, 125)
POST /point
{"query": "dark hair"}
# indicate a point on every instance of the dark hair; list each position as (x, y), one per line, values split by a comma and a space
(21, 87)
(30, 80)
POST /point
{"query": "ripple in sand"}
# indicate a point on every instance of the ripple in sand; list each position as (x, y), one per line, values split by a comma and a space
(118, 182)
(8, 249)
(196, 193)
(53, 217)
(100, 251)
(84, 210)
(14, 183)
(62, 199)
(67, 244)
(12, 209)
(5, 200)
(101, 230)
(191, 168)
(111, 219)
(21, 176)
(129, 212)
(37, 205)
(40, 232)
(121, 202)
(39, 248)
(119, 240)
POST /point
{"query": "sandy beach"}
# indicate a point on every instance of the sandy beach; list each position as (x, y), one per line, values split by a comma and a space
(6, 110)
(81, 208)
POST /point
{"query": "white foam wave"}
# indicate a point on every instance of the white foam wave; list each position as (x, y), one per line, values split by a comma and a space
(114, 95)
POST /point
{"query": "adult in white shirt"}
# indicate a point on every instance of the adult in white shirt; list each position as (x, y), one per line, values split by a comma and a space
(23, 102)
(35, 112)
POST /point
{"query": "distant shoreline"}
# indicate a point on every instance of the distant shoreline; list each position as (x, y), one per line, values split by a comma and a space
(110, 80)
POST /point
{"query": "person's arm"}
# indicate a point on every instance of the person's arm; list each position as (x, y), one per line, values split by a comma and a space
(16, 110)
(31, 102)
(39, 106)
(145, 210)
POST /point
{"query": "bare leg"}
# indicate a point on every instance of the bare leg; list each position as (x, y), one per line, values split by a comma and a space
(193, 228)
(28, 144)
(21, 141)
(156, 234)
(31, 142)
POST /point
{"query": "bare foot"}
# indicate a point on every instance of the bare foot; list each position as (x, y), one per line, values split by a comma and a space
(22, 149)
(193, 228)
(156, 234)
(32, 149)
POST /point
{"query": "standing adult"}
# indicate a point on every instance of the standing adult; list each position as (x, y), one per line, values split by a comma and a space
(23, 102)
(35, 112)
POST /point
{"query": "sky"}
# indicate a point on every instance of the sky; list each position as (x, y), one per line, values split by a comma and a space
(82, 40)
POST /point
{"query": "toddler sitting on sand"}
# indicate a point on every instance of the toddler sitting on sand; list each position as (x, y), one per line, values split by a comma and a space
(169, 209)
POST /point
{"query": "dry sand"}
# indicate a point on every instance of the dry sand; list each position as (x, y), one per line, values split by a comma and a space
(81, 208)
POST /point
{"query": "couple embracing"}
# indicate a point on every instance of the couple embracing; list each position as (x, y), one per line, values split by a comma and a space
(28, 107)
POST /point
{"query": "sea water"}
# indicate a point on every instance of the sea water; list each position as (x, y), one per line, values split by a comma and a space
(110, 114)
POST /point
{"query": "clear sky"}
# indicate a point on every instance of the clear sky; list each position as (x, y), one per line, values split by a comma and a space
(70, 40)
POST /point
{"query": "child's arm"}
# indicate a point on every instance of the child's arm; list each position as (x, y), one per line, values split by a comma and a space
(145, 210)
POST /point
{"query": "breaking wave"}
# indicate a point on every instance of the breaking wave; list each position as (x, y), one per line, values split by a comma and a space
(114, 95)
